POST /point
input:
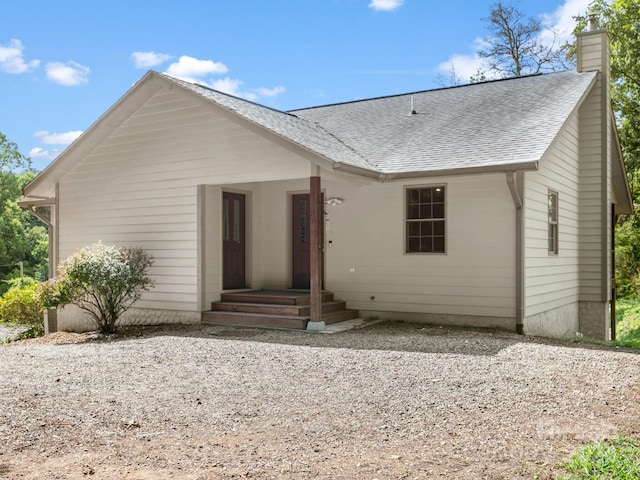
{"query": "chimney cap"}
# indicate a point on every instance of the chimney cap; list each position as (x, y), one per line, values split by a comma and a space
(593, 22)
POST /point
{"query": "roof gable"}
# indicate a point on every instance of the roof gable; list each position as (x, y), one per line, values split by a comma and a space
(291, 127)
(498, 125)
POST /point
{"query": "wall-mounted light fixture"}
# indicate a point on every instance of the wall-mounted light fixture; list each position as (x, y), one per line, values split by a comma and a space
(333, 201)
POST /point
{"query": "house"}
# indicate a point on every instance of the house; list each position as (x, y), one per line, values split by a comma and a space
(488, 205)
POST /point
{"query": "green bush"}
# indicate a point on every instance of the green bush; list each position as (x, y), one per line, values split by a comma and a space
(103, 281)
(21, 303)
(627, 323)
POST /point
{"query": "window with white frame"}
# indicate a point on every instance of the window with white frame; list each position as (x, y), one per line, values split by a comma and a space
(552, 199)
(425, 219)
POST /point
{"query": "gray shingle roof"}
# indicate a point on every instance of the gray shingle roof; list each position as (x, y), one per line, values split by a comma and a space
(491, 124)
(495, 123)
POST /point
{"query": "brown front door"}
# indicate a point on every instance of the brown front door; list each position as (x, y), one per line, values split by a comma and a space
(301, 260)
(233, 240)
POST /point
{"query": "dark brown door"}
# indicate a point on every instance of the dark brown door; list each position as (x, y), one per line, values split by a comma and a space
(301, 261)
(233, 240)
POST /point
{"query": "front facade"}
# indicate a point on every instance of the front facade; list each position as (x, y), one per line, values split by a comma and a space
(216, 189)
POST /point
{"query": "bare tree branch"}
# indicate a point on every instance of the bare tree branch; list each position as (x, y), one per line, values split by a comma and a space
(514, 47)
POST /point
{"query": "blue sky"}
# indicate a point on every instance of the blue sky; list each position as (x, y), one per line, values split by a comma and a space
(64, 63)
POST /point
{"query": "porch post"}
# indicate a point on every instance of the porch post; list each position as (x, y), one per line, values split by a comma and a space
(315, 234)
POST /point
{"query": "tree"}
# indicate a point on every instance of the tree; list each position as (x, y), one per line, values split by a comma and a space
(515, 47)
(450, 79)
(23, 238)
(621, 18)
(10, 156)
(101, 280)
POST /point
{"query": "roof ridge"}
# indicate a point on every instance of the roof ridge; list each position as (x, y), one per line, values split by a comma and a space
(396, 95)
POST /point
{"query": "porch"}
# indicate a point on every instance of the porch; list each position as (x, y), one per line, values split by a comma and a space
(289, 309)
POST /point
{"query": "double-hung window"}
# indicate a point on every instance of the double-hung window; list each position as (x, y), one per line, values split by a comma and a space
(552, 200)
(425, 219)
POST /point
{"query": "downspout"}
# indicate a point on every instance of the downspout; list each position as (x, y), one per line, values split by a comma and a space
(515, 188)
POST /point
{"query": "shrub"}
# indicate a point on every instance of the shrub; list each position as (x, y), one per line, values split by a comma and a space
(101, 280)
(21, 303)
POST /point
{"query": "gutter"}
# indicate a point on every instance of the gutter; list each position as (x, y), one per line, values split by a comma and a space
(363, 172)
(515, 185)
(389, 176)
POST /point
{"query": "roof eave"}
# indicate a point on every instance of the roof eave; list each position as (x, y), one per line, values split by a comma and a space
(81, 146)
(624, 200)
(529, 165)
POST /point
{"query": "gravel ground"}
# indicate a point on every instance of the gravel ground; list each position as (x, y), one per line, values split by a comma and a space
(389, 401)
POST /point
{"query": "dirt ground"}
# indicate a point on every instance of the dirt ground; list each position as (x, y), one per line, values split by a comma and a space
(391, 401)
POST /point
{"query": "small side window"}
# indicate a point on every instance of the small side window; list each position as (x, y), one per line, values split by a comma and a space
(425, 220)
(553, 222)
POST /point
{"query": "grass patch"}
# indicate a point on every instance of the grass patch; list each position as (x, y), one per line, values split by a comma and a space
(627, 324)
(616, 459)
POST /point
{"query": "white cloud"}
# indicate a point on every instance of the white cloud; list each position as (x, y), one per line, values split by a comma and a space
(561, 22)
(12, 58)
(202, 72)
(559, 25)
(189, 68)
(226, 85)
(64, 138)
(43, 157)
(269, 92)
(463, 66)
(385, 5)
(38, 153)
(149, 59)
(68, 75)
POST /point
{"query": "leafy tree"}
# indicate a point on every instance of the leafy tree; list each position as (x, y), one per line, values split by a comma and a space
(622, 20)
(515, 47)
(23, 238)
(10, 156)
(101, 280)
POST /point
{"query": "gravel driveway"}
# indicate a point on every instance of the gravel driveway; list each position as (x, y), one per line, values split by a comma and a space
(388, 401)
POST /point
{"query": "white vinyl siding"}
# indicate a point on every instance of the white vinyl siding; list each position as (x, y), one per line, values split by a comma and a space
(573, 168)
(552, 281)
(476, 277)
(139, 188)
(366, 259)
(595, 217)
